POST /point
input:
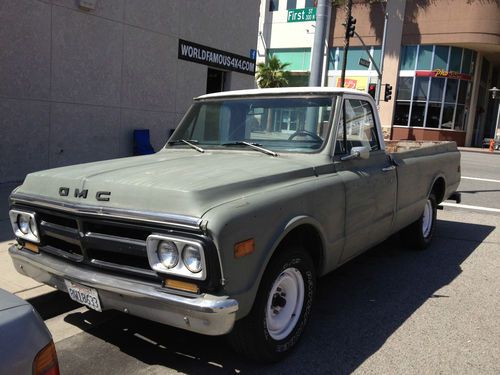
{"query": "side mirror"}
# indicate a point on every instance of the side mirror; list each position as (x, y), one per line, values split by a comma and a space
(358, 152)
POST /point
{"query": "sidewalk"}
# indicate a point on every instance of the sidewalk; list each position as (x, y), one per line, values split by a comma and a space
(10, 279)
(478, 150)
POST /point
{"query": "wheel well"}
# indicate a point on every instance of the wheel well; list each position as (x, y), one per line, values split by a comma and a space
(438, 189)
(307, 237)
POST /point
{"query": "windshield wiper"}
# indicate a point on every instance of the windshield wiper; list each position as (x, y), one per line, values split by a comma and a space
(255, 146)
(190, 143)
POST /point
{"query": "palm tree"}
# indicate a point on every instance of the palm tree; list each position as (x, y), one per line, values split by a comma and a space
(272, 73)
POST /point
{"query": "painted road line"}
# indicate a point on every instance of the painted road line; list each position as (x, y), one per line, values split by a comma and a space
(480, 179)
(467, 207)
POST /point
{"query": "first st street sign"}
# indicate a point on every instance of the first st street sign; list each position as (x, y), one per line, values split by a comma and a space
(301, 15)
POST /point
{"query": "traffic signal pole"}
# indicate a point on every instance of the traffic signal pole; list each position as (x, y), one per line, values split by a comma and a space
(348, 8)
(382, 55)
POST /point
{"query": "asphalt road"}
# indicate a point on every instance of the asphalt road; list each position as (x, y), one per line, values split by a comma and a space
(390, 311)
(480, 185)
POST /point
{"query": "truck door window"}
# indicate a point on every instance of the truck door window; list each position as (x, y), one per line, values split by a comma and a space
(358, 123)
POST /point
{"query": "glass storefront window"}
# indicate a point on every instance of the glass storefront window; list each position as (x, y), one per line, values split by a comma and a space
(408, 57)
(466, 62)
(451, 90)
(424, 58)
(455, 59)
(436, 102)
(421, 88)
(462, 92)
(460, 118)
(437, 86)
(433, 113)
(401, 113)
(404, 88)
(440, 57)
(417, 114)
(447, 121)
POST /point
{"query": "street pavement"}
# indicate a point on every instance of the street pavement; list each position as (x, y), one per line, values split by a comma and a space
(390, 311)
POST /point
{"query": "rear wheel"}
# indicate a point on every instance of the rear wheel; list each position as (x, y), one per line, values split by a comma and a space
(281, 308)
(419, 234)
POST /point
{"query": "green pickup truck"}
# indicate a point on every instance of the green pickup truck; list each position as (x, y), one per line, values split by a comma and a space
(227, 228)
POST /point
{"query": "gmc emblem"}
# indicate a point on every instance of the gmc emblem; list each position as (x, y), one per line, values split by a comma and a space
(103, 196)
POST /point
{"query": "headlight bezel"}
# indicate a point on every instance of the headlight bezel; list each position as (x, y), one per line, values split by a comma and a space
(180, 269)
(32, 235)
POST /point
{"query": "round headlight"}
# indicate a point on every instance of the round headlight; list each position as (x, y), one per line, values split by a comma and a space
(191, 257)
(23, 223)
(168, 254)
(33, 228)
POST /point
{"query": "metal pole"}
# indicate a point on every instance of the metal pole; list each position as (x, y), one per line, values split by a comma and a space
(382, 52)
(319, 42)
(348, 7)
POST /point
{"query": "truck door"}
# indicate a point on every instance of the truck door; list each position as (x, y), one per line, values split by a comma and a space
(370, 184)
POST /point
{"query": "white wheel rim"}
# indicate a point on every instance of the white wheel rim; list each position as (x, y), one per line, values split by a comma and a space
(427, 219)
(284, 303)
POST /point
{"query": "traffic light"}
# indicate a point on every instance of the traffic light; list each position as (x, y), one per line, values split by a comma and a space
(387, 92)
(349, 29)
(372, 88)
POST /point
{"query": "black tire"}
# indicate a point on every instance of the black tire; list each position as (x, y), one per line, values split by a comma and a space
(418, 235)
(251, 335)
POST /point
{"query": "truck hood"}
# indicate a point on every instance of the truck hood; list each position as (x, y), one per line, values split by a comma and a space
(181, 182)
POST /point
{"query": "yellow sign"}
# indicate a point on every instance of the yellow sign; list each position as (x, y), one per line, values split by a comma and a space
(353, 82)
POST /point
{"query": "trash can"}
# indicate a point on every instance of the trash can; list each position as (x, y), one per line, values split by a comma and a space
(142, 144)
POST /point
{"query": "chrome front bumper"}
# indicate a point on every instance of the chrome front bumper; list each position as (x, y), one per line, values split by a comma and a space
(206, 314)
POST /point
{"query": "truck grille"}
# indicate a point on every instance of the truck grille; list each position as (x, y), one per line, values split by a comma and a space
(108, 244)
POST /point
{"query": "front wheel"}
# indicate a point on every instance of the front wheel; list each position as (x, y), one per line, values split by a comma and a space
(419, 234)
(281, 308)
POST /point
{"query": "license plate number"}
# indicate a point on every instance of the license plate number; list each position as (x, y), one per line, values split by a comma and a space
(84, 295)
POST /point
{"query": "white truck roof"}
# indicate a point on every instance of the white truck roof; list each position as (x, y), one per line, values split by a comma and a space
(283, 90)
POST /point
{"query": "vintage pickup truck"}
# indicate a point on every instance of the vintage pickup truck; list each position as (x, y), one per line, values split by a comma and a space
(227, 228)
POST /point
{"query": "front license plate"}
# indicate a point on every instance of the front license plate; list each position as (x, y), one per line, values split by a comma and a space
(84, 295)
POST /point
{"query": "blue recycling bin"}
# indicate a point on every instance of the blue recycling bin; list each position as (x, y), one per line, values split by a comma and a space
(142, 144)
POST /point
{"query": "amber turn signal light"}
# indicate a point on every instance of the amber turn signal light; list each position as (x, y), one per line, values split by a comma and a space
(182, 285)
(244, 248)
(31, 247)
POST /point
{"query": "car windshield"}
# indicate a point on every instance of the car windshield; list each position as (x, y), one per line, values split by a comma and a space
(287, 124)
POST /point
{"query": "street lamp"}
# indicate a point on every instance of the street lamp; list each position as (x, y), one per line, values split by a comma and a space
(494, 91)
(494, 95)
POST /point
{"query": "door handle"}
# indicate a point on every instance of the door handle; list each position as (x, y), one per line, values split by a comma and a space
(390, 168)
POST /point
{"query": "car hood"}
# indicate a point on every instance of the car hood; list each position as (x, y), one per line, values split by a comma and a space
(182, 182)
(9, 301)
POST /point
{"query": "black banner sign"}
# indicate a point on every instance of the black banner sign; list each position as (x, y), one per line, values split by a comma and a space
(213, 57)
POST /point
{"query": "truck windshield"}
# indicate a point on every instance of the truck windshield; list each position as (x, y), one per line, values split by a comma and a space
(286, 124)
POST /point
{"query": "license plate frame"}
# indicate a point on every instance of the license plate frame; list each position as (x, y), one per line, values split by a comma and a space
(84, 295)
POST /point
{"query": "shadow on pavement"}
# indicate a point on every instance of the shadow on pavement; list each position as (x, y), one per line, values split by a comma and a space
(53, 304)
(357, 308)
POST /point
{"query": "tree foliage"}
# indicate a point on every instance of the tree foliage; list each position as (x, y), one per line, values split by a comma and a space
(272, 73)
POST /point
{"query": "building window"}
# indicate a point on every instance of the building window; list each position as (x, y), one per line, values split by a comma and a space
(291, 4)
(274, 5)
(298, 58)
(408, 57)
(434, 87)
(311, 3)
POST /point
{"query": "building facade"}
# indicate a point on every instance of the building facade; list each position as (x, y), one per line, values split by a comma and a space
(76, 77)
(440, 57)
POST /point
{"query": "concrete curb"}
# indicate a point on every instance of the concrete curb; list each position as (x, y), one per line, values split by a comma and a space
(478, 150)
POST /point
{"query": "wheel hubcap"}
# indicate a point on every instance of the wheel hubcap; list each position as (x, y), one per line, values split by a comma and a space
(427, 219)
(284, 304)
